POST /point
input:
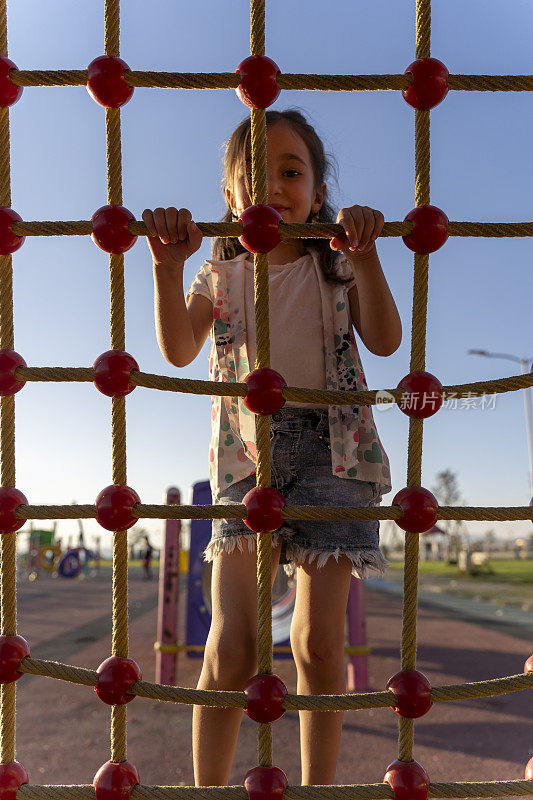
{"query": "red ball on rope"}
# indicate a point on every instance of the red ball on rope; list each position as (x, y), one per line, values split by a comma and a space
(9, 361)
(425, 394)
(12, 776)
(265, 783)
(419, 508)
(114, 781)
(412, 691)
(105, 82)
(116, 676)
(260, 232)
(9, 92)
(9, 241)
(264, 394)
(10, 500)
(13, 649)
(110, 229)
(429, 85)
(263, 507)
(114, 505)
(408, 779)
(258, 87)
(430, 229)
(112, 373)
(265, 694)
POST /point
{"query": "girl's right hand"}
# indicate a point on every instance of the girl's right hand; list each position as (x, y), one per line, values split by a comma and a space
(173, 236)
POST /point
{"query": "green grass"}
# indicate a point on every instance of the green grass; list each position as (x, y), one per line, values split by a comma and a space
(496, 570)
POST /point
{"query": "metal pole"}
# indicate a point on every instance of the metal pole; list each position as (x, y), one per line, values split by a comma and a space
(529, 424)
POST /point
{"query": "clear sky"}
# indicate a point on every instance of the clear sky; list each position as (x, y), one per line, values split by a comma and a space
(481, 170)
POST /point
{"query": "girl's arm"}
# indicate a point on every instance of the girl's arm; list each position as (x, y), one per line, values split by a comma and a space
(181, 328)
(373, 310)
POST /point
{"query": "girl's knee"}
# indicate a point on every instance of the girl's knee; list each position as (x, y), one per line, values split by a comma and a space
(231, 659)
(317, 650)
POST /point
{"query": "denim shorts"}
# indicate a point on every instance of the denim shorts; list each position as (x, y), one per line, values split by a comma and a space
(301, 471)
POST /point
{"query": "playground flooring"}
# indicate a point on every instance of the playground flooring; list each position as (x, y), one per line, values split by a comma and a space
(63, 729)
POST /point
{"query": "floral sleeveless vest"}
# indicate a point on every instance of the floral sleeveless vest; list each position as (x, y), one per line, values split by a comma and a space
(356, 449)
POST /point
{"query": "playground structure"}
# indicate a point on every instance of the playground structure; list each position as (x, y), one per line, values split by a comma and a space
(198, 600)
(45, 555)
(116, 373)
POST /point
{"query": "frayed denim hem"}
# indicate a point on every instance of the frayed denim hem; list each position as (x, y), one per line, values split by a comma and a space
(364, 562)
(228, 544)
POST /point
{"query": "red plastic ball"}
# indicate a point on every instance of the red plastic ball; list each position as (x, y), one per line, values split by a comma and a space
(430, 229)
(112, 373)
(265, 694)
(408, 779)
(114, 505)
(9, 241)
(263, 509)
(12, 776)
(9, 361)
(115, 781)
(9, 91)
(425, 394)
(264, 394)
(528, 666)
(412, 691)
(10, 500)
(13, 649)
(110, 229)
(116, 676)
(430, 83)
(419, 508)
(106, 82)
(265, 783)
(258, 87)
(260, 232)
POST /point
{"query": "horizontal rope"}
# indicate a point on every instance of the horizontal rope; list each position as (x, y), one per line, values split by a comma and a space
(297, 231)
(368, 791)
(228, 699)
(327, 396)
(229, 80)
(238, 511)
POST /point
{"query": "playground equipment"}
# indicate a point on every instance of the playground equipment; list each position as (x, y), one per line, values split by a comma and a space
(46, 554)
(115, 373)
(198, 613)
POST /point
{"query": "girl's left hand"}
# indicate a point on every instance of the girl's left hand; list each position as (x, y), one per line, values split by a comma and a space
(362, 225)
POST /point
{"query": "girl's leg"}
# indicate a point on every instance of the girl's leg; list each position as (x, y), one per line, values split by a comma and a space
(230, 659)
(317, 639)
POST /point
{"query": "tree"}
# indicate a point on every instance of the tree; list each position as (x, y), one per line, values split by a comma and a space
(447, 493)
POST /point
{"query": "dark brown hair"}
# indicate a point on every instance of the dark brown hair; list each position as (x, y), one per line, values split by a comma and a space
(224, 249)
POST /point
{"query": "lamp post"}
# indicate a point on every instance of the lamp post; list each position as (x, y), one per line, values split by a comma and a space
(526, 364)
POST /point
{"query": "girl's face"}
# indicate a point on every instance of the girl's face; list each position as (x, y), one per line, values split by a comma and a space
(290, 182)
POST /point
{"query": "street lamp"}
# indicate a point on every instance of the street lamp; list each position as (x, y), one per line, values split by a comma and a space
(526, 364)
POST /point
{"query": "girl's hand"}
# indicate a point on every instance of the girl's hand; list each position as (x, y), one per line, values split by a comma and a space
(173, 236)
(362, 225)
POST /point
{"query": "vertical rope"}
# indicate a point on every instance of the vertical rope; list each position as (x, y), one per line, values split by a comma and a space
(263, 476)
(418, 360)
(119, 645)
(8, 553)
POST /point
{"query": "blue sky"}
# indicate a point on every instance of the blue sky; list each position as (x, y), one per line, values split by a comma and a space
(478, 288)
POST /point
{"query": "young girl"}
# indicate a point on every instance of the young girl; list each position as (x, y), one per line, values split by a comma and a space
(320, 455)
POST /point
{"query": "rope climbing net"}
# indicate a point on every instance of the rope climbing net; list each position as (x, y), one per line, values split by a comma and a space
(258, 82)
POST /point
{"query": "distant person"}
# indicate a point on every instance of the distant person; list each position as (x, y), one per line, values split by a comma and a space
(147, 559)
